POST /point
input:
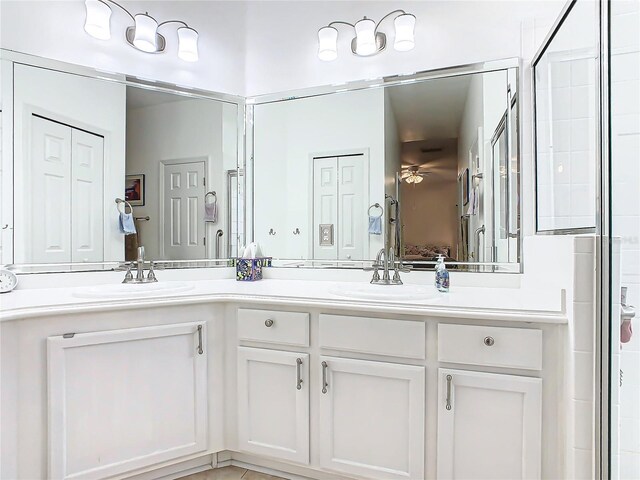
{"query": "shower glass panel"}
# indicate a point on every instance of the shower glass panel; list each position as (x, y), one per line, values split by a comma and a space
(624, 111)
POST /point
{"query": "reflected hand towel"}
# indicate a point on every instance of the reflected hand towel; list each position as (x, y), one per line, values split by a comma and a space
(126, 224)
(375, 225)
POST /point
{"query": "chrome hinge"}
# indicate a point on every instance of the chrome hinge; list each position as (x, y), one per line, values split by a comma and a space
(68, 335)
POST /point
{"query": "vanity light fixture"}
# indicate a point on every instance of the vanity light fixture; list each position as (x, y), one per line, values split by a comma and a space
(143, 35)
(368, 40)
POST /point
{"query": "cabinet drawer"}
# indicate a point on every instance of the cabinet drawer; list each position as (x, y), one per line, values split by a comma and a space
(378, 336)
(271, 326)
(490, 346)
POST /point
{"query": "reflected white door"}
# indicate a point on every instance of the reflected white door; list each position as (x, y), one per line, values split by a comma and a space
(183, 207)
(340, 205)
(87, 231)
(48, 201)
(325, 207)
(63, 209)
(351, 208)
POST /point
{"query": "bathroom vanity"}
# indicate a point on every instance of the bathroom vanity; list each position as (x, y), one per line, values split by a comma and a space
(283, 375)
(313, 372)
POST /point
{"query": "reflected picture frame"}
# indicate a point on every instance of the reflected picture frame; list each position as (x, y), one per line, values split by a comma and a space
(464, 178)
(134, 190)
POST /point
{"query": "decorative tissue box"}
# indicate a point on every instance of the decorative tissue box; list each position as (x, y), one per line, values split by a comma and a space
(250, 269)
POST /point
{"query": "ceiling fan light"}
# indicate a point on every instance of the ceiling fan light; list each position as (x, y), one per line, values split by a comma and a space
(188, 44)
(418, 179)
(365, 37)
(405, 32)
(98, 19)
(145, 33)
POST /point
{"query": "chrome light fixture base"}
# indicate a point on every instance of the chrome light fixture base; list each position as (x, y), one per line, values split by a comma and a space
(381, 44)
(161, 42)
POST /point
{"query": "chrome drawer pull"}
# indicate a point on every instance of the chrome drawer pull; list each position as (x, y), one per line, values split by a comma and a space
(448, 405)
(489, 341)
(200, 350)
(325, 384)
(268, 322)
(298, 374)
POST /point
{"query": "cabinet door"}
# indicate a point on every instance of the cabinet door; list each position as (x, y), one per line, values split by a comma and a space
(273, 403)
(489, 426)
(124, 399)
(372, 419)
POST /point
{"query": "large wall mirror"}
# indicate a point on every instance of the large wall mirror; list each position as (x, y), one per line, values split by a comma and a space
(427, 165)
(88, 150)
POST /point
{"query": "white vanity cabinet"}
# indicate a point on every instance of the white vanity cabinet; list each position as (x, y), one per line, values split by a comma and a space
(371, 418)
(489, 426)
(273, 403)
(124, 399)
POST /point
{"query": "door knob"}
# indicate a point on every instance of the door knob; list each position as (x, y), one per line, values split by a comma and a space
(268, 322)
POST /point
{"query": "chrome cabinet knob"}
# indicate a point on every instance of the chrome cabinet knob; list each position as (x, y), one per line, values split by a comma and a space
(489, 341)
(268, 323)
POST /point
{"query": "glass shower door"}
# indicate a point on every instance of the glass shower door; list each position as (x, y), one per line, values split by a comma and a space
(624, 198)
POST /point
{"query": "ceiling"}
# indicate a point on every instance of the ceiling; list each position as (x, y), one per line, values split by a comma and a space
(142, 97)
(429, 110)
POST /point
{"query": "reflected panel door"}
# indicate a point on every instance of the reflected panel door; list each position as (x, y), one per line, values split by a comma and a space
(48, 206)
(183, 206)
(87, 226)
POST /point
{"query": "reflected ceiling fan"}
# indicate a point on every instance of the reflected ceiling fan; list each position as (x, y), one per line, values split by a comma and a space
(413, 174)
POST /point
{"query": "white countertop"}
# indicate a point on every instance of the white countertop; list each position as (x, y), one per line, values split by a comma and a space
(507, 304)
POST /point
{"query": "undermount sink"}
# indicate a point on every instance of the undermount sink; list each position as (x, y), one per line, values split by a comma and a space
(386, 293)
(132, 290)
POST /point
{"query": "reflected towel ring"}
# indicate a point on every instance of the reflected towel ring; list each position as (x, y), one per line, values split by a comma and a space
(126, 204)
(215, 197)
(376, 205)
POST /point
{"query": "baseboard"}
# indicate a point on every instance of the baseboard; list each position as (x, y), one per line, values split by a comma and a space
(179, 470)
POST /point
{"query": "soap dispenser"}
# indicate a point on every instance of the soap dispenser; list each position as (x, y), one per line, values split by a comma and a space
(442, 275)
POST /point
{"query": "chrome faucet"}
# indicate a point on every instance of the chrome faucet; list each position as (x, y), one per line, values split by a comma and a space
(140, 264)
(151, 276)
(387, 261)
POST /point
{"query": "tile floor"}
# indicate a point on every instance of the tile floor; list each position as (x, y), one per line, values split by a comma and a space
(230, 473)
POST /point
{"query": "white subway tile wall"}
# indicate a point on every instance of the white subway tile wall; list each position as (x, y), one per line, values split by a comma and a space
(567, 108)
(625, 145)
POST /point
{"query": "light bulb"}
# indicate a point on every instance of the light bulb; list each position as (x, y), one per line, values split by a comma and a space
(327, 44)
(188, 44)
(405, 37)
(145, 33)
(98, 18)
(365, 37)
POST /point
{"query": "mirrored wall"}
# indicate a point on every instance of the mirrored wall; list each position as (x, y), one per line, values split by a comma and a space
(101, 167)
(426, 165)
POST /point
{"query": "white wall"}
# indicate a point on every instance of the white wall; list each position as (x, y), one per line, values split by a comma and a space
(55, 29)
(447, 33)
(287, 135)
(89, 104)
(188, 129)
(242, 43)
